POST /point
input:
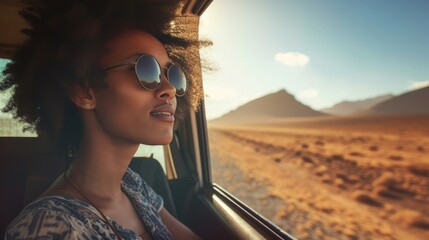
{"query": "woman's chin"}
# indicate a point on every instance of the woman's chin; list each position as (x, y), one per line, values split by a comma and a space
(164, 140)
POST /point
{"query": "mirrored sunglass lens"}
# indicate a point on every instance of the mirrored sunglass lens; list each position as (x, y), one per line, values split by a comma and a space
(177, 78)
(148, 72)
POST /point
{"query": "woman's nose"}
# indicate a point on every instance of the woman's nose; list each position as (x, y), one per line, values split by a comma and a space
(165, 90)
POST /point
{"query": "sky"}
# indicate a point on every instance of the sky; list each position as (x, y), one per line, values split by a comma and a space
(323, 52)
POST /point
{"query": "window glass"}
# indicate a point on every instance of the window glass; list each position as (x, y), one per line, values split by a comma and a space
(155, 151)
(318, 114)
(9, 127)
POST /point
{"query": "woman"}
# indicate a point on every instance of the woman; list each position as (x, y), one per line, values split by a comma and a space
(96, 78)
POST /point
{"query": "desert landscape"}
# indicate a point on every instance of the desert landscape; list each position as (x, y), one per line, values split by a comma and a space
(363, 176)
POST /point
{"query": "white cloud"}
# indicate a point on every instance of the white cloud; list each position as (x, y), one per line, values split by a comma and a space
(309, 93)
(292, 59)
(418, 85)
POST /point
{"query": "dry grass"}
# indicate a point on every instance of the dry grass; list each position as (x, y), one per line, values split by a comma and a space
(338, 179)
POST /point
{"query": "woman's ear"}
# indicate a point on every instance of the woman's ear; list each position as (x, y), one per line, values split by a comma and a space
(83, 97)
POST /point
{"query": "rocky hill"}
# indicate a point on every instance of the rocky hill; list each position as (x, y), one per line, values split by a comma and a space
(350, 107)
(272, 106)
(413, 102)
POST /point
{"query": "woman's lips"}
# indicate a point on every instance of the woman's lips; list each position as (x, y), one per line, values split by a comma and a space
(164, 112)
(164, 116)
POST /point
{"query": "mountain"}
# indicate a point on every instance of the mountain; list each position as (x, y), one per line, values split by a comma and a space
(413, 102)
(276, 105)
(349, 107)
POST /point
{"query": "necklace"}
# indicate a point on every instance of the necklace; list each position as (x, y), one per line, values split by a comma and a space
(99, 211)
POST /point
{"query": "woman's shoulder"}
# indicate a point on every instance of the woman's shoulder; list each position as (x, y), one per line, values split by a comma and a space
(57, 217)
(134, 183)
(62, 205)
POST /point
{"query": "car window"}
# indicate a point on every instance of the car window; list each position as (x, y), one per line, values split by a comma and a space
(155, 151)
(10, 127)
(318, 115)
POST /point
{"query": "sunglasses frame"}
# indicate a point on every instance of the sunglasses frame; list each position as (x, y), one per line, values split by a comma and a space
(170, 64)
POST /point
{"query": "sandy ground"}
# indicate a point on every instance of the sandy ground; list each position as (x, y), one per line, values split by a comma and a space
(331, 179)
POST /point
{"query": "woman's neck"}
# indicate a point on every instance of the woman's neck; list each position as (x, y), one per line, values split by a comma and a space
(99, 168)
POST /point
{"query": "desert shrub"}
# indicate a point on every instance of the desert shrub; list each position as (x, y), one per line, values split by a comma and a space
(322, 169)
(307, 159)
(356, 154)
(337, 157)
(384, 192)
(386, 179)
(395, 158)
(373, 148)
(366, 198)
(421, 169)
(326, 179)
(411, 218)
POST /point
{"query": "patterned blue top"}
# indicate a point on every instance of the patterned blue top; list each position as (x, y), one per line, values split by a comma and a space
(63, 217)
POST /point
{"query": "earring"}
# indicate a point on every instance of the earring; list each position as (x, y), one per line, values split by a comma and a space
(87, 106)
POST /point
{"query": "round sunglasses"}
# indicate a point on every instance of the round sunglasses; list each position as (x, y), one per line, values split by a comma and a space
(149, 74)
